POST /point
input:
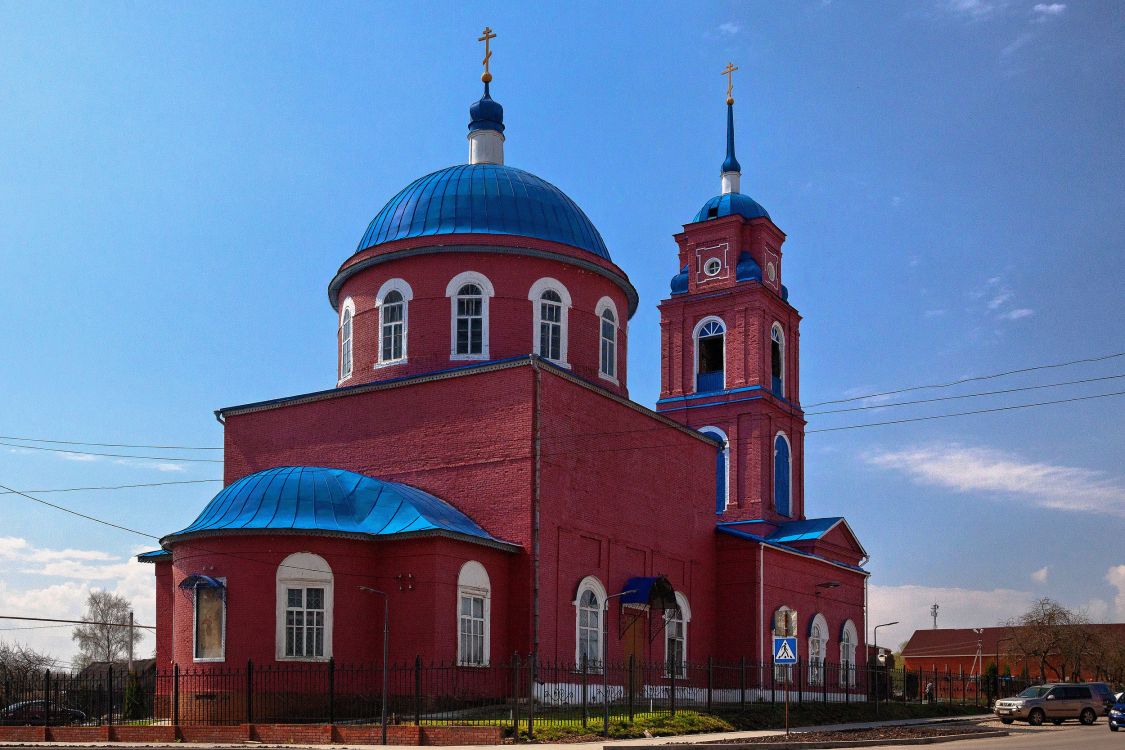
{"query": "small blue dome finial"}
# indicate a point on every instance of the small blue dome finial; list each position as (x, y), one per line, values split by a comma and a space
(730, 164)
(486, 114)
(731, 169)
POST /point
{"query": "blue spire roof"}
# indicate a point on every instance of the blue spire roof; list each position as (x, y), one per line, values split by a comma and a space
(486, 114)
(730, 164)
(319, 500)
(484, 199)
(731, 204)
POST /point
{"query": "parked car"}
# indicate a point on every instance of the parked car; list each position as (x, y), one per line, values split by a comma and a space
(35, 712)
(1117, 715)
(1056, 702)
(1103, 691)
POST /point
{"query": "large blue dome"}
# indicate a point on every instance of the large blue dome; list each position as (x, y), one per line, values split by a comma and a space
(484, 199)
(329, 501)
(731, 204)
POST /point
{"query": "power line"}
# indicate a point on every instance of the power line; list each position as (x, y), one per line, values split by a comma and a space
(990, 376)
(966, 413)
(109, 445)
(76, 513)
(116, 486)
(115, 455)
(965, 395)
(78, 622)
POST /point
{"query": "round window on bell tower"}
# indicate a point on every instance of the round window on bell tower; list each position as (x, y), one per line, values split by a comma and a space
(712, 267)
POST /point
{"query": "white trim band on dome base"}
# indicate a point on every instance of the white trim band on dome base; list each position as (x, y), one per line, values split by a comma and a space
(486, 147)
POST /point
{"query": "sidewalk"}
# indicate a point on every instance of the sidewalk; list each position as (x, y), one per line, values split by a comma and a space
(682, 739)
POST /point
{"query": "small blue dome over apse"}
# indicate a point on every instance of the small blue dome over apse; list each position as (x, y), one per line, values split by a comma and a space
(328, 501)
(731, 204)
(484, 199)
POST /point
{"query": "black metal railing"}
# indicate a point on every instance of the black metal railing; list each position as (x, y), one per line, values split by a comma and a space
(522, 692)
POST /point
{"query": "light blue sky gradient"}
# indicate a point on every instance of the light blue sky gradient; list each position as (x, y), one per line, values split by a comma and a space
(178, 184)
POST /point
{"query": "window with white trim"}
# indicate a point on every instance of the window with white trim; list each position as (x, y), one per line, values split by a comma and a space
(675, 637)
(782, 475)
(392, 328)
(304, 608)
(474, 592)
(551, 304)
(722, 468)
(209, 622)
(777, 360)
(847, 654)
(710, 355)
(817, 649)
(608, 362)
(346, 316)
(470, 321)
(589, 606)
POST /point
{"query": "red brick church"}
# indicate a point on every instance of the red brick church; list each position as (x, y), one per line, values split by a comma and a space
(480, 461)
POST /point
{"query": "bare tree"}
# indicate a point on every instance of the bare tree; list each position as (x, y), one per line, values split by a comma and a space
(21, 662)
(106, 638)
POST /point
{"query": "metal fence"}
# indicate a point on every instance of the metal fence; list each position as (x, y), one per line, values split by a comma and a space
(523, 692)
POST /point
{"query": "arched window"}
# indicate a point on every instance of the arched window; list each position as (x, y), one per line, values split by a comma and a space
(392, 300)
(782, 475)
(722, 468)
(469, 293)
(784, 624)
(589, 606)
(304, 608)
(551, 303)
(817, 648)
(777, 360)
(346, 316)
(606, 311)
(474, 614)
(847, 654)
(710, 356)
(675, 637)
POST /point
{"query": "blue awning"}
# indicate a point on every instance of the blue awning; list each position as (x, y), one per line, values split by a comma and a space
(650, 591)
(200, 581)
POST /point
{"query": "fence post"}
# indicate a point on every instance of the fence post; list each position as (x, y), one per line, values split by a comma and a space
(47, 697)
(845, 680)
(632, 684)
(418, 690)
(109, 694)
(800, 682)
(710, 681)
(175, 695)
(249, 691)
(585, 707)
(516, 697)
(742, 684)
(672, 676)
(332, 690)
(532, 670)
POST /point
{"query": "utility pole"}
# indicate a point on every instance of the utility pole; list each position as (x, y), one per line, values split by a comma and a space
(130, 641)
(933, 613)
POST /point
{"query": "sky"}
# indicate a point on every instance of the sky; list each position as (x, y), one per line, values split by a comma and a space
(179, 182)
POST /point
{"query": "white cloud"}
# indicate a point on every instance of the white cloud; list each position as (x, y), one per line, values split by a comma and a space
(934, 313)
(958, 608)
(729, 29)
(1017, 44)
(979, 469)
(1040, 576)
(1000, 299)
(973, 9)
(1019, 312)
(1115, 577)
(1049, 9)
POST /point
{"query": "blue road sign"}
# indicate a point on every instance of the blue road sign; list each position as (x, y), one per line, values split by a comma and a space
(784, 650)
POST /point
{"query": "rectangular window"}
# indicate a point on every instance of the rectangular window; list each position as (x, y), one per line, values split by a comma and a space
(392, 332)
(210, 623)
(550, 331)
(472, 630)
(470, 325)
(674, 647)
(609, 349)
(589, 638)
(304, 622)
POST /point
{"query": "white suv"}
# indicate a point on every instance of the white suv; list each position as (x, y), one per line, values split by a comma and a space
(1057, 702)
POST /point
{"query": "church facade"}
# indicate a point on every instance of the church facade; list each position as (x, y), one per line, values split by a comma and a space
(480, 469)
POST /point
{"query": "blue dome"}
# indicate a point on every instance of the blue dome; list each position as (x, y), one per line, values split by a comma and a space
(332, 501)
(486, 114)
(731, 204)
(484, 199)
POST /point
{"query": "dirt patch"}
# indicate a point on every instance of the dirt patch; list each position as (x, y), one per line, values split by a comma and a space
(864, 735)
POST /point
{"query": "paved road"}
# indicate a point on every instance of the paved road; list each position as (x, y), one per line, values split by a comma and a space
(1066, 737)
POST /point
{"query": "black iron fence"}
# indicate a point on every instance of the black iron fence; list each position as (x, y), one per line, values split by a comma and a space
(523, 692)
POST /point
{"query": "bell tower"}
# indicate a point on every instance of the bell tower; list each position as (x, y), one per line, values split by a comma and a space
(729, 349)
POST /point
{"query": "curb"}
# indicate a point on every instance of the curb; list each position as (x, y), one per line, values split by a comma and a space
(822, 744)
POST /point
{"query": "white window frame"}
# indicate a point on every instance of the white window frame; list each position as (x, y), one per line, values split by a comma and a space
(403, 288)
(473, 581)
(819, 626)
(726, 459)
(685, 619)
(487, 292)
(535, 295)
(605, 304)
(780, 331)
(593, 585)
(195, 625)
(347, 311)
(849, 637)
(303, 570)
(695, 341)
(789, 444)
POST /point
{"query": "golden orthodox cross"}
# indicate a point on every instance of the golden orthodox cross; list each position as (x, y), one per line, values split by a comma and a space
(729, 73)
(488, 35)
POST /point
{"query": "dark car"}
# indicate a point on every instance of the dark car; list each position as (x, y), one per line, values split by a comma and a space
(1105, 692)
(35, 712)
(1117, 716)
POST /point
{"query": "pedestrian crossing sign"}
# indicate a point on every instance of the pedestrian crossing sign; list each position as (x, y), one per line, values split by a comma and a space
(784, 650)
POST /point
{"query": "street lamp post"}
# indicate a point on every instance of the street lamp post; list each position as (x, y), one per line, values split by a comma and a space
(386, 644)
(605, 665)
(998, 642)
(879, 677)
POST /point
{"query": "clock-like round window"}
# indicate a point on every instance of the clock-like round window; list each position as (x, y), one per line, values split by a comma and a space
(771, 270)
(712, 267)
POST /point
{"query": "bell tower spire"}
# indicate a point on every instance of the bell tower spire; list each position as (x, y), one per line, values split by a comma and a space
(731, 169)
